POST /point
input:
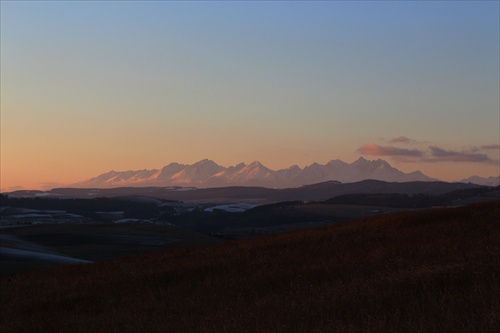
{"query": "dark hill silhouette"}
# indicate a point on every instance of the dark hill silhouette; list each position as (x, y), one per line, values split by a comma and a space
(319, 191)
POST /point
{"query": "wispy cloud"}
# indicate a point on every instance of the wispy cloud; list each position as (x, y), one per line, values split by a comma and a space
(490, 147)
(376, 150)
(442, 155)
(433, 154)
(403, 139)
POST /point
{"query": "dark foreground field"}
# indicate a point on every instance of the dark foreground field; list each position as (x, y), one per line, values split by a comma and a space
(87, 242)
(435, 270)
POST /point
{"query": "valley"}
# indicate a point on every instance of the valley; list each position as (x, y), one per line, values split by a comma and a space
(64, 226)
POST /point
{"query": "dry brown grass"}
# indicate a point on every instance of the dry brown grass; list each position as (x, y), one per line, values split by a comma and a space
(437, 270)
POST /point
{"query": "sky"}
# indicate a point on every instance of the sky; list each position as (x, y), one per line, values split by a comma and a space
(93, 86)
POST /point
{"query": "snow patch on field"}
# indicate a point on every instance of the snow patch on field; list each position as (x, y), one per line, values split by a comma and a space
(127, 221)
(10, 252)
(31, 216)
(234, 208)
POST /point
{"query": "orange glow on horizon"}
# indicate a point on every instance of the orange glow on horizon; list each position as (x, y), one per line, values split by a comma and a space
(45, 176)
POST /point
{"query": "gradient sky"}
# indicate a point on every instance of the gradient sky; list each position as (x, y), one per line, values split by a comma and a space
(91, 86)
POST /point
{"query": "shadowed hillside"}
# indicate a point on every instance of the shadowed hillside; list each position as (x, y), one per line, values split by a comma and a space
(434, 270)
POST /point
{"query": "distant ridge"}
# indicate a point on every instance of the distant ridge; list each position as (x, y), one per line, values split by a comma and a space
(260, 195)
(208, 174)
(489, 181)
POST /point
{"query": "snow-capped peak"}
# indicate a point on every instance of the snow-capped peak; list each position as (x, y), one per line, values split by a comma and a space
(207, 173)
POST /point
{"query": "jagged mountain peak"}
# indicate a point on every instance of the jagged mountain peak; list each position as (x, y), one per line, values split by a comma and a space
(336, 162)
(172, 165)
(295, 167)
(205, 162)
(360, 160)
(313, 165)
(256, 164)
(374, 164)
(207, 173)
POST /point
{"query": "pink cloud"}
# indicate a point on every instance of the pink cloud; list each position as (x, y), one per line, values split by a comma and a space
(376, 150)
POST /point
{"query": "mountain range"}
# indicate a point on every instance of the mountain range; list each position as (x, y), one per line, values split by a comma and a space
(207, 174)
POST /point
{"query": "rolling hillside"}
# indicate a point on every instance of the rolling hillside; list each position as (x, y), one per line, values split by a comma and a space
(427, 271)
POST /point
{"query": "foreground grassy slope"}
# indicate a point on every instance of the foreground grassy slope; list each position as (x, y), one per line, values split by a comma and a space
(437, 270)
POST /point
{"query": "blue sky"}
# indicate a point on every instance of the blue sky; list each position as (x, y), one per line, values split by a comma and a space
(92, 86)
